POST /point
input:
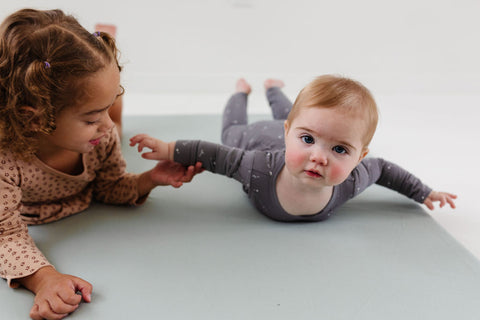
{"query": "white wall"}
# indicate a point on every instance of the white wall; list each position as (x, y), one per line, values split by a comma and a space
(176, 46)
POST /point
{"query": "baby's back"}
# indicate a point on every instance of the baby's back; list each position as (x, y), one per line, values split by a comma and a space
(264, 135)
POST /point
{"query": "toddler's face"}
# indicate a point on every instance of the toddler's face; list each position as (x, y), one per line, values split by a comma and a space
(80, 128)
(323, 146)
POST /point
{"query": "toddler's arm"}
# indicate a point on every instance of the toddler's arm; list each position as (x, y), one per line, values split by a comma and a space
(55, 293)
(442, 197)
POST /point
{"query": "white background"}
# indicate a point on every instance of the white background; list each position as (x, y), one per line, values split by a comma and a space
(418, 57)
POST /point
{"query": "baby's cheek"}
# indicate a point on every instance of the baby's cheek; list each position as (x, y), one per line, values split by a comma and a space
(338, 174)
(293, 160)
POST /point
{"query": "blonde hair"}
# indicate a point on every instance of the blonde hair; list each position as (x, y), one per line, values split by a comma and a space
(45, 58)
(332, 91)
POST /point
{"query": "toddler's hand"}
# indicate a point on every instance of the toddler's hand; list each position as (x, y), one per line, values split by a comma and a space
(167, 172)
(55, 293)
(442, 197)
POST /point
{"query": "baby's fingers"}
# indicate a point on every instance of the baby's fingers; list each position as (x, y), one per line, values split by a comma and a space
(151, 155)
(442, 201)
(450, 201)
(137, 138)
(429, 204)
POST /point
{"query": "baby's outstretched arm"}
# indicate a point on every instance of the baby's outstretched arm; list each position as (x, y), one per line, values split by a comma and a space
(166, 172)
(160, 150)
(442, 197)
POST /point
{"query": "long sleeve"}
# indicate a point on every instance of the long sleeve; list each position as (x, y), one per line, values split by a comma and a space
(228, 161)
(19, 256)
(34, 193)
(389, 175)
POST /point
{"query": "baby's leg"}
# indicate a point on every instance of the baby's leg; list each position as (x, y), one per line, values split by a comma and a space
(235, 115)
(279, 103)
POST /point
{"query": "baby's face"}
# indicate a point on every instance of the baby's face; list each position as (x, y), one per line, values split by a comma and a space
(323, 146)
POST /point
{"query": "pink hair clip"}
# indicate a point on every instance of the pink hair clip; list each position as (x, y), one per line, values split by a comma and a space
(47, 65)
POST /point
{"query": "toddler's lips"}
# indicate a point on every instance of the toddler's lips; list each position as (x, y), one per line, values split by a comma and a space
(95, 141)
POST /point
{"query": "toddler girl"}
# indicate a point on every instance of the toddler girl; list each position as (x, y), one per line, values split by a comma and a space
(59, 148)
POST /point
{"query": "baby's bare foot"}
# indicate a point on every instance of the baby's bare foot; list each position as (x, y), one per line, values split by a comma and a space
(243, 86)
(270, 83)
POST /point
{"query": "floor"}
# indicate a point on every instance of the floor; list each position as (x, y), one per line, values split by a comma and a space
(206, 254)
(435, 137)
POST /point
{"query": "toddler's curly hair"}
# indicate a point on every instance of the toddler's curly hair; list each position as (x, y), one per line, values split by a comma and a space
(45, 58)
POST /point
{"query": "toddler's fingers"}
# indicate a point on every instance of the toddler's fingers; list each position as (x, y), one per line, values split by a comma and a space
(70, 298)
(43, 311)
(176, 184)
(85, 288)
(198, 167)
(189, 174)
(59, 306)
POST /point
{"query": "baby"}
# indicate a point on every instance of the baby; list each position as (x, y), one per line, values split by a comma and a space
(309, 160)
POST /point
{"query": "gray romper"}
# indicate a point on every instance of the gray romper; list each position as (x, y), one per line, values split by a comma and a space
(254, 154)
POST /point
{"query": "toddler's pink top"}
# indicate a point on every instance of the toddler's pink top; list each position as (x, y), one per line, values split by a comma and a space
(34, 193)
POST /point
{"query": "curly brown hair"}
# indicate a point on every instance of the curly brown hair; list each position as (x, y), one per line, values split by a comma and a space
(45, 58)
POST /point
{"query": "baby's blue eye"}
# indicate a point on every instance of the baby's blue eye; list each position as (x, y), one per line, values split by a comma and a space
(339, 149)
(307, 139)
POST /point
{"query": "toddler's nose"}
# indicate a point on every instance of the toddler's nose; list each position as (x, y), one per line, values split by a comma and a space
(107, 123)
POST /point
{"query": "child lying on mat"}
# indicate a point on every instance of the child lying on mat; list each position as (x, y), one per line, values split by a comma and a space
(59, 148)
(304, 167)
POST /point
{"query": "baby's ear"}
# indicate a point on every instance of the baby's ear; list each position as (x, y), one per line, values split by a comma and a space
(363, 154)
(286, 126)
(285, 131)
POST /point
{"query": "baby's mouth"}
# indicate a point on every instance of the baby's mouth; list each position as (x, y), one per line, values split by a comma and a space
(312, 173)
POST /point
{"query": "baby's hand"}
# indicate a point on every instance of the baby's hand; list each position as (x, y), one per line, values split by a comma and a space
(443, 197)
(160, 149)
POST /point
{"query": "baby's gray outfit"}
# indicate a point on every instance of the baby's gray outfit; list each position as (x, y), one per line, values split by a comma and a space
(254, 154)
